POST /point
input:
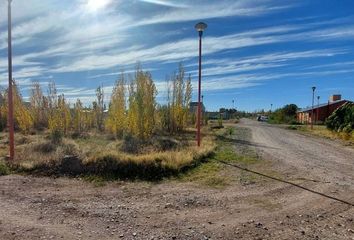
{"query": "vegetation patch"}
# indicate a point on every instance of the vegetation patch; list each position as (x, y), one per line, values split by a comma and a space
(99, 156)
(342, 119)
(286, 114)
(4, 169)
(322, 131)
(213, 173)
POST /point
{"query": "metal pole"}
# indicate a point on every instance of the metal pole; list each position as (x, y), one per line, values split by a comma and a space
(318, 109)
(10, 98)
(313, 100)
(199, 87)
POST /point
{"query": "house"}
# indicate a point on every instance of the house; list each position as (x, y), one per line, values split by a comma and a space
(320, 111)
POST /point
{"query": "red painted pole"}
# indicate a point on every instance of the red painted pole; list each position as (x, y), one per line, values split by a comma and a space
(312, 112)
(10, 98)
(199, 88)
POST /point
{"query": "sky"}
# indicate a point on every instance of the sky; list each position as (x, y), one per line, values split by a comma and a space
(255, 52)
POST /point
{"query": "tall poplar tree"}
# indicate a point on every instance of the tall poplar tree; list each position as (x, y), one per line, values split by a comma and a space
(116, 120)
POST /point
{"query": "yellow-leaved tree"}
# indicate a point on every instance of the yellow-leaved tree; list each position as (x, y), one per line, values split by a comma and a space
(78, 118)
(3, 111)
(39, 106)
(142, 104)
(59, 120)
(98, 108)
(179, 94)
(22, 115)
(116, 120)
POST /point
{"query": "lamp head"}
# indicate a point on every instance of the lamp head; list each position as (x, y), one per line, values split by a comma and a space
(313, 88)
(200, 27)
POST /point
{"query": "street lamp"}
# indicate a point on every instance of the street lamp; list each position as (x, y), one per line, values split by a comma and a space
(271, 107)
(10, 118)
(318, 108)
(313, 100)
(200, 27)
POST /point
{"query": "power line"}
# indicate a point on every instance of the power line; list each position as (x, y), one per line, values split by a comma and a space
(293, 184)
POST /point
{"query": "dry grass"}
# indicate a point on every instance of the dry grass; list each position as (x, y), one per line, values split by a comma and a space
(99, 154)
(322, 131)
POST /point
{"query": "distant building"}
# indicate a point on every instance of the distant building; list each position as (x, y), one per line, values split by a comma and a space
(320, 112)
(193, 107)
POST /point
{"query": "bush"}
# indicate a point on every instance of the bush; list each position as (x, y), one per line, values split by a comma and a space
(56, 136)
(230, 131)
(342, 119)
(165, 144)
(131, 144)
(4, 170)
(287, 114)
(112, 165)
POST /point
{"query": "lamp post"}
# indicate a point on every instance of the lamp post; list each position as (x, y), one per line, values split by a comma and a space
(10, 118)
(313, 100)
(318, 109)
(271, 107)
(200, 27)
(233, 109)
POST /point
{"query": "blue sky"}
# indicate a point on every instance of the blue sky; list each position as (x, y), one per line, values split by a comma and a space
(257, 52)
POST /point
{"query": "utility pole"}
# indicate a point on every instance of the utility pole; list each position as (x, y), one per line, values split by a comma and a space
(10, 118)
(313, 100)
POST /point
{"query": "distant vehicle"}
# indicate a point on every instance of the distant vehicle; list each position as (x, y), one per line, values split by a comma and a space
(262, 118)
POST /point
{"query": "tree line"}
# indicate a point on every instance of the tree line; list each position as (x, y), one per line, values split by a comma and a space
(132, 109)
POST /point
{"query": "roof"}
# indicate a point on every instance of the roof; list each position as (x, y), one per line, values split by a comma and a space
(321, 105)
(195, 104)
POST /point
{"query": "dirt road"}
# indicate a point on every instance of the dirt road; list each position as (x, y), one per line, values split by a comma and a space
(62, 208)
(308, 157)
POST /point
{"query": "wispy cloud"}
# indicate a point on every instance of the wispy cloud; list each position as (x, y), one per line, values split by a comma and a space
(53, 38)
(205, 10)
(166, 3)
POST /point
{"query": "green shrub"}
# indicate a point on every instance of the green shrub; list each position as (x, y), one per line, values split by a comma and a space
(286, 114)
(4, 169)
(292, 127)
(230, 131)
(342, 119)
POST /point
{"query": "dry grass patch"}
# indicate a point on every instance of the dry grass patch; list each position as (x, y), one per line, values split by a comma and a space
(99, 154)
(322, 131)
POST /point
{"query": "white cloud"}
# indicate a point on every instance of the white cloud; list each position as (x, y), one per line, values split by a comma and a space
(216, 9)
(166, 3)
(60, 38)
(258, 62)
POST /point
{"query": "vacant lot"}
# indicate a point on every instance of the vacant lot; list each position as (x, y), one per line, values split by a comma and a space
(214, 201)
